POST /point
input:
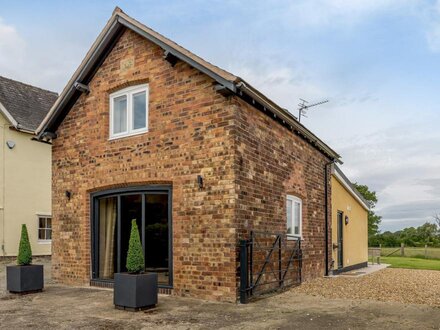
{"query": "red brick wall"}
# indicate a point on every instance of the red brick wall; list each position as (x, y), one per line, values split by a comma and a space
(189, 125)
(273, 162)
(248, 162)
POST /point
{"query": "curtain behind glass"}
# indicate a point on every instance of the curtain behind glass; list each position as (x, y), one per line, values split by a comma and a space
(297, 218)
(107, 226)
(289, 216)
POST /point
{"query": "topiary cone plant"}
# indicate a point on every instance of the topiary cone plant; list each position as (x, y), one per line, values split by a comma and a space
(24, 249)
(135, 256)
(24, 278)
(135, 290)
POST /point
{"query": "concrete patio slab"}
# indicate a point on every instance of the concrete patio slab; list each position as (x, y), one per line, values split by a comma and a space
(372, 268)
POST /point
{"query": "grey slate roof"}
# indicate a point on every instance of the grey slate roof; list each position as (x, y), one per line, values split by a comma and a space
(27, 104)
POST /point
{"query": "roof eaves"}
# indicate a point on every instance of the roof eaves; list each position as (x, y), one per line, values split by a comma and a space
(174, 50)
(120, 18)
(16, 125)
(230, 81)
(80, 71)
(290, 119)
(8, 116)
(342, 178)
(23, 129)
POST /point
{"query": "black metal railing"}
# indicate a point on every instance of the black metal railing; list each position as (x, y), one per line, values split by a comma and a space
(269, 262)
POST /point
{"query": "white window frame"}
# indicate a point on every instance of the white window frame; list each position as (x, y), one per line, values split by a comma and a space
(294, 199)
(44, 241)
(128, 93)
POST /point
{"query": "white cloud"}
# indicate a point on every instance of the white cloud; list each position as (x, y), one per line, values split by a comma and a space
(319, 13)
(43, 62)
(345, 14)
(380, 145)
(432, 17)
(282, 84)
(401, 163)
(12, 48)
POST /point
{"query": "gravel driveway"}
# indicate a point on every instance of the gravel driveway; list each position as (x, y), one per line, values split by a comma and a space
(63, 307)
(397, 285)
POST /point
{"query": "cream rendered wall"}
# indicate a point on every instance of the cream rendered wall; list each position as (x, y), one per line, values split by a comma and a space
(25, 189)
(3, 126)
(355, 234)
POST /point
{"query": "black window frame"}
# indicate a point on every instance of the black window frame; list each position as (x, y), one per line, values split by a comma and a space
(124, 191)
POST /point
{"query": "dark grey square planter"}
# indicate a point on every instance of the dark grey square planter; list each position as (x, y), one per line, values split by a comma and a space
(135, 291)
(25, 279)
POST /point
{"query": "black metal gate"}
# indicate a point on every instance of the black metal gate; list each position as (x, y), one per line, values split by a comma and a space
(269, 262)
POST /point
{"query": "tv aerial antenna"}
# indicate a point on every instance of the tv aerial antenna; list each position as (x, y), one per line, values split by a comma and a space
(303, 106)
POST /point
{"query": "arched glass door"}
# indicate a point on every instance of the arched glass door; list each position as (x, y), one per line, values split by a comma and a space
(112, 214)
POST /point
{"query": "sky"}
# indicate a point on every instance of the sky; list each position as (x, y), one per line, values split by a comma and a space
(377, 62)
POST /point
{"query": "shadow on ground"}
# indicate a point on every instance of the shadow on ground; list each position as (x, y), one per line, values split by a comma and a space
(65, 307)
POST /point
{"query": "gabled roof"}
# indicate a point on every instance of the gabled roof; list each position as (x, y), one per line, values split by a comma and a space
(117, 24)
(24, 106)
(346, 183)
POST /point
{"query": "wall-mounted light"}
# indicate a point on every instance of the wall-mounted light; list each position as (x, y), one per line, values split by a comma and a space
(347, 220)
(200, 181)
(68, 194)
(10, 144)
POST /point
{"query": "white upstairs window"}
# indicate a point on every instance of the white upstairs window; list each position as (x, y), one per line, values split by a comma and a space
(129, 111)
(294, 216)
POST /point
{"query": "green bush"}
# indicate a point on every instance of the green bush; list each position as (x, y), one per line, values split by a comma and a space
(24, 250)
(135, 255)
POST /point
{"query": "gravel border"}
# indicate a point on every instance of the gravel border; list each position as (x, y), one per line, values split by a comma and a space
(408, 286)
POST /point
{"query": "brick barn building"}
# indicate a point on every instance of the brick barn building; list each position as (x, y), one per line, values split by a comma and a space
(147, 130)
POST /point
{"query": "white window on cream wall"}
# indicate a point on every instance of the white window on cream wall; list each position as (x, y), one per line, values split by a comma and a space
(44, 229)
(129, 111)
(294, 216)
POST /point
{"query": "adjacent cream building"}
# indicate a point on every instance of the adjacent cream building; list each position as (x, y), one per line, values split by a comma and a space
(349, 224)
(25, 168)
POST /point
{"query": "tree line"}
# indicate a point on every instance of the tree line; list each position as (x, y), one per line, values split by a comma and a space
(426, 234)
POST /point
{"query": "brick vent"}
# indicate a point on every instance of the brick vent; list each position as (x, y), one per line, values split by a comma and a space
(165, 291)
(101, 284)
(105, 284)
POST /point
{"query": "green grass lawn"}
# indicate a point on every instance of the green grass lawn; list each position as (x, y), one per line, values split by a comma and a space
(412, 263)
